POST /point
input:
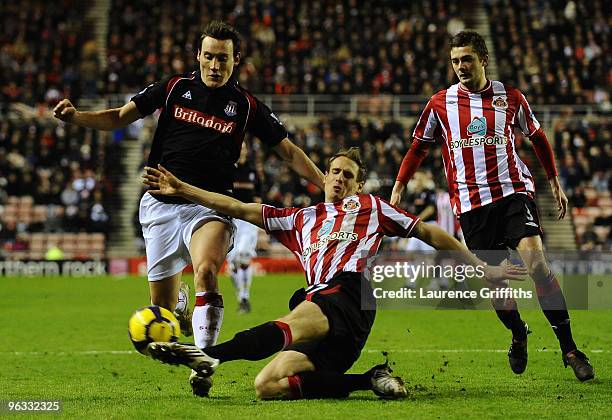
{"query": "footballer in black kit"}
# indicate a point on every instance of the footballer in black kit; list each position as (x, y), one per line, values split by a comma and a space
(201, 130)
(423, 203)
(247, 186)
(204, 117)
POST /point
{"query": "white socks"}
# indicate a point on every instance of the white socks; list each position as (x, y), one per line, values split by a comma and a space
(207, 318)
(242, 280)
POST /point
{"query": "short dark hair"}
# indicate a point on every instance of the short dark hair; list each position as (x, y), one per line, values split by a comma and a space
(220, 30)
(473, 39)
(353, 154)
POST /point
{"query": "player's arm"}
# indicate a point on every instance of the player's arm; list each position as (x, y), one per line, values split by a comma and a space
(162, 182)
(439, 239)
(545, 156)
(108, 119)
(299, 162)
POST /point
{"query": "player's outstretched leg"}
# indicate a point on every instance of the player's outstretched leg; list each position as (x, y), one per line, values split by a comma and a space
(256, 343)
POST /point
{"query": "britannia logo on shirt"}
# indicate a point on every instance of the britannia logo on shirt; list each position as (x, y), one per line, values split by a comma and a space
(351, 206)
(499, 102)
(478, 127)
(230, 109)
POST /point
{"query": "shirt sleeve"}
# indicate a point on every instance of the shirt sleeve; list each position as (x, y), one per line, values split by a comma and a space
(280, 224)
(152, 97)
(525, 118)
(393, 221)
(427, 124)
(266, 126)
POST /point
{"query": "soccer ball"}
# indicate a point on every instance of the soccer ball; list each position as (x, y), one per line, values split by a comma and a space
(152, 323)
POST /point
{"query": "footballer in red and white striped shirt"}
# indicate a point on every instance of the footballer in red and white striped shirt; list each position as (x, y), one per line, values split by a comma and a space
(326, 329)
(329, 238)
(491, 189)
(477, 134)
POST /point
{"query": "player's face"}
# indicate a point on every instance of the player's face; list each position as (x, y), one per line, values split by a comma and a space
(217, 61)
(468, 67)
(341, 179)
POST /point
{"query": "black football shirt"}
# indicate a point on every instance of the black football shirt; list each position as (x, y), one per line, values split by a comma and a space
(200, 130)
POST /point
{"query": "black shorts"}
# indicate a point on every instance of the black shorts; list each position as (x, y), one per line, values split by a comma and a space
(501, 225)
(349, 326)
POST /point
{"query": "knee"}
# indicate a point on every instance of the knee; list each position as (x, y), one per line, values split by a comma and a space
(271, 382)
(538, 270)
(205, 271)
(265, 386)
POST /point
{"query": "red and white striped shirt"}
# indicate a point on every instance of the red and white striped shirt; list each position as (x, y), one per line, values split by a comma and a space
(477, 131)
(329, 238)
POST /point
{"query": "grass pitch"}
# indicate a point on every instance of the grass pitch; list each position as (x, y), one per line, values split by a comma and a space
(66, 339)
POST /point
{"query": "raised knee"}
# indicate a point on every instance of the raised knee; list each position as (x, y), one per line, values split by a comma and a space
(206, 270)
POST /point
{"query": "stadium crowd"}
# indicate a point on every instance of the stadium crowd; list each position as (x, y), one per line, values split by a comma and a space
(583, 148)
(291, 46)
(54, 179)
(554, 51)
(59, 178)
(46, 53)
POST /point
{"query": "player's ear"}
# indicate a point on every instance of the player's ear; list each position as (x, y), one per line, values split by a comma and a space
(360, 186)
(485, 60)
(237, 58)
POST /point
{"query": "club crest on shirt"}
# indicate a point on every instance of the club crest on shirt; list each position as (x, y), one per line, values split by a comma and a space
(351, 206)
(499, 102)
(326, 228)
(478, 127)
(230, 109)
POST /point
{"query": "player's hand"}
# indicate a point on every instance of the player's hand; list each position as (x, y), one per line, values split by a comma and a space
(505, 271)
(560, 197)
(64, 110)
(160, 181)
(396, 194)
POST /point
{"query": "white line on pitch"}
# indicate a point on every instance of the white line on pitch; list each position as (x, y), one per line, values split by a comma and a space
(68, 353)
(122, 352)
(467, 350)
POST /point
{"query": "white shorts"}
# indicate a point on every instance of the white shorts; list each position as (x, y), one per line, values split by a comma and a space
(167, 230)
(245, 243)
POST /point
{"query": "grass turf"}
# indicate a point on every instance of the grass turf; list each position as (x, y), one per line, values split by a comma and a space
(66, 339)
